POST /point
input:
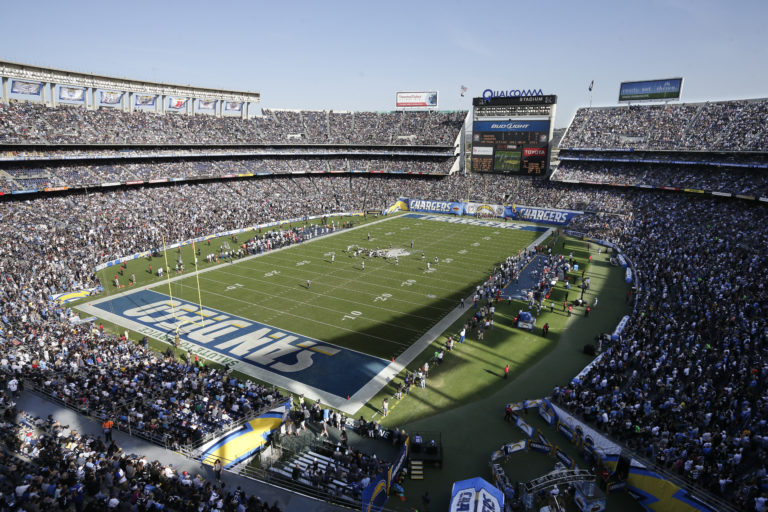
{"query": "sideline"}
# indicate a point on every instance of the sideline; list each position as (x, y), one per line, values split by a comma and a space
(367, 392)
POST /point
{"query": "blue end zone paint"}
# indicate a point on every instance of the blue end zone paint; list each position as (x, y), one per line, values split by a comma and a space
(474, 222)
(332, 369)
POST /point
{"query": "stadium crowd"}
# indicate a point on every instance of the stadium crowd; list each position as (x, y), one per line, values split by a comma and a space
(34, 123)
(32, 176)
(665, 388)
(752, 182)
(713, 126)
(49, 466)
(686, 384)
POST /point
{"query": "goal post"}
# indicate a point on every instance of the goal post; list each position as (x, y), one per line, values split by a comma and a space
(186, 320)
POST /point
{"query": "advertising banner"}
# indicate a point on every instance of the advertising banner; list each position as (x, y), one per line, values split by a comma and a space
(233, 106)
(396, 466)
(546, 412)
(649, 90)
(206, 104)
(111, 97)
(543, 215)
(427, 99)
(30, 88)
(421, 205)
(475, 495)
(512, 126)
(375, 494)
(67, 93)
(484, 209)
(145, 100)
(563, 457)
(539, 447)
(176, 103)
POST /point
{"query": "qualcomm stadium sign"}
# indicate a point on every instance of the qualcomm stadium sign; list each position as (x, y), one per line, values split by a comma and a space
(511, 93)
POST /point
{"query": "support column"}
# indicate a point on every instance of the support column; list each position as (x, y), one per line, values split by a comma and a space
(5, 90)
(52, 88)
(244, 110)
(131, 101)
(93, 99)
(162, 103)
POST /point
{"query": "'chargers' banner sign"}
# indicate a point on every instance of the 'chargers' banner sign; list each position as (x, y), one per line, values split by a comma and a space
(544, 215)
(420, 205)
(290, 360)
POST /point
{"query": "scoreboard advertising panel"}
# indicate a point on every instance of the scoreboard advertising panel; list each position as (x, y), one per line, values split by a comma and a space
(650, 90)
(512, 146)
(416, 100)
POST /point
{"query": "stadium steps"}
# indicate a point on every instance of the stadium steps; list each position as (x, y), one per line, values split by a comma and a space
(693, 121)
(417, 470)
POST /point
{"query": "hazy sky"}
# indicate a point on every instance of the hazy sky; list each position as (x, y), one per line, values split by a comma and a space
(356, 55)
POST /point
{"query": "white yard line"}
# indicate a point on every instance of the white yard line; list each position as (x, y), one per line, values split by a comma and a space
(246, 258)
(367, 392)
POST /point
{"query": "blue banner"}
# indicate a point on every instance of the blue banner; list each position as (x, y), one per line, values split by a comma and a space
(375, 494)
(565, 459)
(544, 215)
(511, 126)
(67, 93)
(565, 430)
(28, 88)
(651, 90)
(398, 464)
(539, 447)
(620, 328)
(420, 205)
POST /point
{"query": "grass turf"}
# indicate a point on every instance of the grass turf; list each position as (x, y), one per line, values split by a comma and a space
(380, 310)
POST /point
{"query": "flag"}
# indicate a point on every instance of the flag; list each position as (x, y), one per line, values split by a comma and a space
(463, 90)
(591, 85)
(111, 97)
(206, 104)
(176, 102)
(234, 106)
(71, 93)
(22, 87)
(145, 100)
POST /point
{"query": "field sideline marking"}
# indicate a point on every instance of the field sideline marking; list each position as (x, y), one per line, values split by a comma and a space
(365, 394)
(245, 258)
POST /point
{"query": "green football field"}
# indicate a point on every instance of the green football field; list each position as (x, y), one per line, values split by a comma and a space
(379, 310)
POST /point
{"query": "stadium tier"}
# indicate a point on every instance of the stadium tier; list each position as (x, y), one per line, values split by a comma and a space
(34, 123)
(719, 148)
(740, 125)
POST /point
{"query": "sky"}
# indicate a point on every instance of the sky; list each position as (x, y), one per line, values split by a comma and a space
(355, 55)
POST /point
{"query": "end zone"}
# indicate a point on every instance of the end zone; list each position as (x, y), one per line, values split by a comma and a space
(298, 363)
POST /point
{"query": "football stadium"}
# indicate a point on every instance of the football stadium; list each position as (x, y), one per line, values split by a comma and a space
(213, 305)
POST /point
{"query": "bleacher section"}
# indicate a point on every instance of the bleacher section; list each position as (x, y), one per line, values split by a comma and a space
(719, 148)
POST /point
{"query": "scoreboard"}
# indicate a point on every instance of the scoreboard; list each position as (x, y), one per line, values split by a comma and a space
(512, 135)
